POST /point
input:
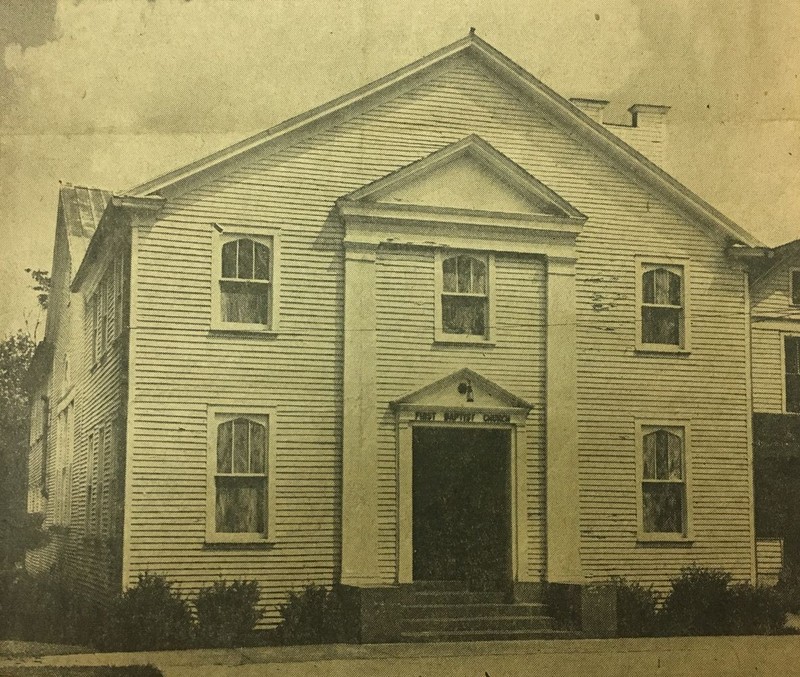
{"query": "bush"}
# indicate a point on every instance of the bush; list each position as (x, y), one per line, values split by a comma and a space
(636, 609)
(40, 607)
(788, 588)
(699, 603)
(148, 616)
(756, 610)
(227, 613)
(316, 616)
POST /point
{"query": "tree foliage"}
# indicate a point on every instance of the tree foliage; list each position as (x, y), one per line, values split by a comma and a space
(41, 285)
(16, 352)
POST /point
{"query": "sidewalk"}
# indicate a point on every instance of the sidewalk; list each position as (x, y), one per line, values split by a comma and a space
(689, 656)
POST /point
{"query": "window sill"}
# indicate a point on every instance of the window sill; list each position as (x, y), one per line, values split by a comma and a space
(462, 340)
(243, 544)
(242, 331)
(664, 539)
(649, 349)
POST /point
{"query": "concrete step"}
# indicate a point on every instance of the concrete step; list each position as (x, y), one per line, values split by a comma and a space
(478, 623)
(413, 596)
(440, 586)
(484, 635)
(472, 610)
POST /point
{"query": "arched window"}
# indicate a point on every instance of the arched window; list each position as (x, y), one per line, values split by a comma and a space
(240, 476)
(662, 305)
(663, 481)
(245, 279)
(465, 300)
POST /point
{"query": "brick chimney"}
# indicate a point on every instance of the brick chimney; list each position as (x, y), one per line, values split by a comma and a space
(592, 107)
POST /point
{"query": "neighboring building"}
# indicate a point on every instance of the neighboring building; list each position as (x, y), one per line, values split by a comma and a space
(449, 326)
(775, 301)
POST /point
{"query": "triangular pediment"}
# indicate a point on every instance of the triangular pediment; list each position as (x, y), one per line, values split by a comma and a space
(470, 175)
(464, 389)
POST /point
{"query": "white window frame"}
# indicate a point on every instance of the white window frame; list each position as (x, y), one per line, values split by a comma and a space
(221, 414)
(792, 272)
(440, 336)
(64, 459)
(645, 263)
(269, 237)
(683, 429)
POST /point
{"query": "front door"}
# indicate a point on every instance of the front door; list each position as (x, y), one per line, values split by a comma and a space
(461, 505)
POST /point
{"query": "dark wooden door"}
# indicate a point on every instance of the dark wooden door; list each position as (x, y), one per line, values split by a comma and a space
(461, 506)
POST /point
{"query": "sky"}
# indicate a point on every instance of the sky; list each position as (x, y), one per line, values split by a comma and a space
(110, 93)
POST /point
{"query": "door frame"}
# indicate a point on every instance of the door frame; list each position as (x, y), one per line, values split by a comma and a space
(512, 419)
(508, 481)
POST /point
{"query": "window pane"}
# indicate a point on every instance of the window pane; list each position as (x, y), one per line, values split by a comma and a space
(464, 315)
(240, 505)
(650, 456)
(258, 447)
(449, 275)
(245, 303)
(241, 445)
(464, 274)
(245, 271)
(229, 256)
(796, 288)
(261, 264)
(662, 287)
(792, 350)
(662, 458)
(663, 508)
(675, 453)
(225, 447)
(661, 325)
(478, 277)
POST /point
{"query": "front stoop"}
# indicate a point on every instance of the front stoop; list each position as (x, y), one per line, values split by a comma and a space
(441, 611)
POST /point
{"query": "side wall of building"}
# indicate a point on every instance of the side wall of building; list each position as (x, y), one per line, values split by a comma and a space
(85, 445)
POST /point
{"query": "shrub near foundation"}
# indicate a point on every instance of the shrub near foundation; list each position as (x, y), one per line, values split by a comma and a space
(227, 614)
(637, 605)
(317, 615)
(149, 616)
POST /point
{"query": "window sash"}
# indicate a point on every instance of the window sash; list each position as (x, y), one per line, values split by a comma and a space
(791, 356)
(240, 477)
(662, 303)
(245, 302)
(664, 508)
(794, 287)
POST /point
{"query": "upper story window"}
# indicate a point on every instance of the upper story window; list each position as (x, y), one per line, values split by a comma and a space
(794, 287)
(239, 494)
(464, 283)
(662, 321)
(664, 507)
(244, 290)
(791, 360)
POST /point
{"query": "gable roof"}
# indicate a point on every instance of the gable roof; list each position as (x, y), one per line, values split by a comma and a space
(523, 83)
(81, 208)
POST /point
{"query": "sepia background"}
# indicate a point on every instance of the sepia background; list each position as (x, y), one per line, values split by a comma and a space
(109, 93)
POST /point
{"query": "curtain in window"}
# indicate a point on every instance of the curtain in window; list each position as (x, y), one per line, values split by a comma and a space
(241, 477)
(464, 301)
(663, 486)
(662, 307)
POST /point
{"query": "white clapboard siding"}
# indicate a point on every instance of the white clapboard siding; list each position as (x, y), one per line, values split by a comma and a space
(769, 560)
(180, 367)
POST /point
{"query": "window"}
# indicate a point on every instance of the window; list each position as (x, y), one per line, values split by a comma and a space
(65, 430)
(244, 289)
(464, 284)
(239, 477)
(791, 359)
(662, 321)
(91, 482)
(664, 507)
(794, 287)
